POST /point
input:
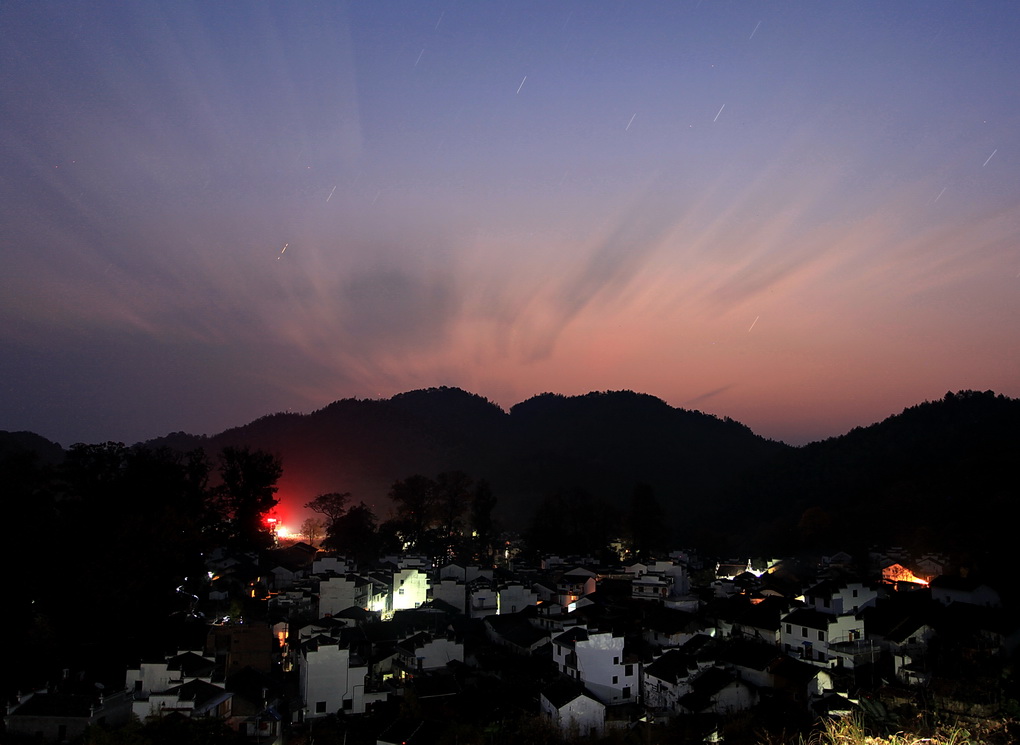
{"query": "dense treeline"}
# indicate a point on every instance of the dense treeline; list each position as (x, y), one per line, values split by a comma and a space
(107, 541)
(601, 443)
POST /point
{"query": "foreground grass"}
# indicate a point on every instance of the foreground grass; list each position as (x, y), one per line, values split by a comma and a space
(851, 731)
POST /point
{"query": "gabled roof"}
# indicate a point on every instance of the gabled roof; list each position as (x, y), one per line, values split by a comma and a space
(414, 643)
(192, 665)
(795, 671)
(953, 582)
(563, 691)
(516, 630)
(204, 695)
(672, 621)
(705, 686)
(809, 617)
(764, 615)
(571, 636)
(672, 667)
(750, 655)
(55, 705)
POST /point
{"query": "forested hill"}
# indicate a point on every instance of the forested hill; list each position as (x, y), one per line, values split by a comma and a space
(940, 476)
(602, 443)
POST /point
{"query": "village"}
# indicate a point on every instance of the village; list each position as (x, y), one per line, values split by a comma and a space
(298, 645)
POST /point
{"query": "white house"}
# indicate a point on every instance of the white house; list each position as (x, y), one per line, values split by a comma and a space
(424, 652)
(452, 591)
(463, 572)
(574, 585)
(840, 598)
(150, 679)
(573, 710)
(410, 588)
(332, 564)
(329, 680)
(948, 589)
(670, 628)
(340, 593)
(668, 679)
(514, 597)
(718, 691)
(196, 698)
(596, 660)
(808, 634)
(482, 599)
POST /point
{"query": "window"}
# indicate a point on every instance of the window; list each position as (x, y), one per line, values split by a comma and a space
(803, 631)
(789, 628)
(320, 707)
(629, 670)
(616, 660)
(626, 692)
(855, 593)
(348, 704)
(616, 679)
(821, 636)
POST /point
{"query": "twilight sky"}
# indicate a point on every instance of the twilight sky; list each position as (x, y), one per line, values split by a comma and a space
(804, 216)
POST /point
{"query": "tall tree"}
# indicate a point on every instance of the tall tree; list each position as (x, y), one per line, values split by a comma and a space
(248, 492)
(453, 495)
(483, 527)
(332, 505)
(415, 498)
(356, 534)
(312, 529)
(649, 531)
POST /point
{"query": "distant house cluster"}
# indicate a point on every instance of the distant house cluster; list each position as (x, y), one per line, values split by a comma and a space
(602, 647)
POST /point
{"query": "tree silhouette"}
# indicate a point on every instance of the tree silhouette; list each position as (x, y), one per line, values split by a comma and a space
(247, 493)
(415, 497)
(453, 496)
(483, 527)
(649, 530)
(332, 505)
(355, 534)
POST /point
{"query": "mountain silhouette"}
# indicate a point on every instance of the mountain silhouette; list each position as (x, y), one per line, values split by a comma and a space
(605, 443)
(939, 476)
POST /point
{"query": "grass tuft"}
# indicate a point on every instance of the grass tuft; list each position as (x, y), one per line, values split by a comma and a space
(851, 731)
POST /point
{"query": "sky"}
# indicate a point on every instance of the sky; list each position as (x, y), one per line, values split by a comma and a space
(801, 215)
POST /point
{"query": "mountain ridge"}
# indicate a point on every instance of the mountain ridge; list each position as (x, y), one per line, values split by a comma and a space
(923, 478)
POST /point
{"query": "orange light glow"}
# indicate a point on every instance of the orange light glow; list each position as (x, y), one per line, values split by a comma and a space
(899, 573)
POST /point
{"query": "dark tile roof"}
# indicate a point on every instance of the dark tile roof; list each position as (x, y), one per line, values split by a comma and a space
(672, 621)
(563, 691)
(704, 687)
(200, 692)
(672, 667)
(751, 655)
(809, 617)
(572, 635)
(192, 664)
(55, 705)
